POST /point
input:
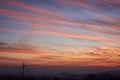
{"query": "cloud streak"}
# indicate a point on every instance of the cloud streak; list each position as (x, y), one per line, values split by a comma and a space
(64, 22)
(98, 56)
(69, 35)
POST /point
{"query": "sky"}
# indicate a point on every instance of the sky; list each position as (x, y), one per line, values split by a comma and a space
(73, 33)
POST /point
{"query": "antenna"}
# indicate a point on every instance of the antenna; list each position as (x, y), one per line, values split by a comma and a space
(23, 70)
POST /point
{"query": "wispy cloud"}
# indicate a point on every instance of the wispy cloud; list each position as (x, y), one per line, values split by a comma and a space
(30, 7)
(69, 35)
(95, 23)
(95, 4)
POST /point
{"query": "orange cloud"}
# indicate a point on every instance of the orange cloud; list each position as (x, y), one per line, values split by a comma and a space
(99, 56)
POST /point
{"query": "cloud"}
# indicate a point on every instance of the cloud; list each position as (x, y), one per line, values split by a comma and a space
(33, 24)
(102, 51)
(69, 35)
(102, 5)
(49, 57)
(91, 56)
(109, 4)
(2, 44)
(96, 25)
(7, 58)
(18, 14)
(12, 30)
(78, 36)
(30, 7)
(97, 28)
(17, 48)
(77, 3)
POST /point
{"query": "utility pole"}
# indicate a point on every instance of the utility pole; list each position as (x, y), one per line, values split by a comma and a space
(23, 70)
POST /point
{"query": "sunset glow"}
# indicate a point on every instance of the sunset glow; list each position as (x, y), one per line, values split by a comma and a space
(60, 32)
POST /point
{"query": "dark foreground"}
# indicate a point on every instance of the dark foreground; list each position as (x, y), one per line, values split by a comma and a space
(65, 77)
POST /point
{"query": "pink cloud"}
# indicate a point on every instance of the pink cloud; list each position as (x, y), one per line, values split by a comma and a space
(71, 35)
